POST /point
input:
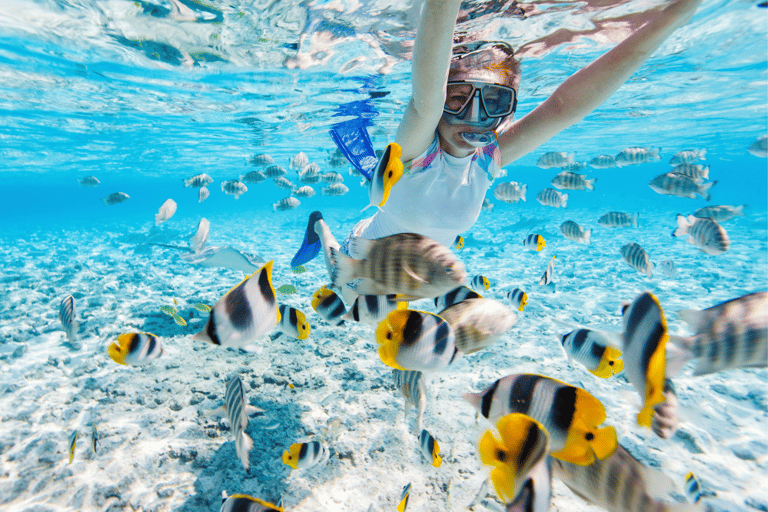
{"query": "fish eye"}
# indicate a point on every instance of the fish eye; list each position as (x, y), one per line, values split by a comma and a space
(389, 335)
(610, 363)
(501, 455)
(590, 436)
(389, 174)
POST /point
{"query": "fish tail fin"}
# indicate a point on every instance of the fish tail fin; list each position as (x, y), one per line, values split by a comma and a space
(565, 201)
(704, 190)
(185, 182)
(587, 235)
(739, 210)
(590, 184)
(703, 154)
(634, 219)
(678, 353)
(682, 226)
(705, 173)
(344, 269)
(311, 245)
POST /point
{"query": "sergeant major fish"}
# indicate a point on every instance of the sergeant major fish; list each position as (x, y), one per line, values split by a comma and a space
(262, 160)
(571, 415)
(274, 171)
(510, 192)
(720, 213)
(692, 171)
(203, 194)
(521, 473)
(574, 232)
(413, 387)
(551, 197)
(332, 177)
(416, 340)
(235, 404)
(115, 198)
(233, 188)
(706, 234)
(199, 239)
(305, 191)
(408, 264)
(681, 186)
(253, 177)
(618, 220)
(478, 323)
(88, 181)
(759, 147)
(299, 161)
(284, 183)
(198, 180)
(554, 159)
(67, 316)
(603, 162)
(244, 313)
(689, 156)
(573, 181)
(336, 189)
(289, 203)
(636, 155)
(166, 211)
(637, 258)
(135, 349)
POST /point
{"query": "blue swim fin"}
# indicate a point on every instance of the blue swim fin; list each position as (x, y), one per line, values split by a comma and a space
(353, 141)
(311, 245)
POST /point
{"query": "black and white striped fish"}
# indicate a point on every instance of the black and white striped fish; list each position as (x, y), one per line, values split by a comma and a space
(198, 180)
(305, 455)
(88, 182)
(372, 309)
(644, 349)
(234, 401)
(299, 161)
(293, 323)
(413, 386)
(261, 160)
(603, 162)
(135, 349)
(688, 156)
(534, 242)
(571, 415)
(551, 197)
(573, 232)
(568, 180)
(416, 340)
(253, 177)
(594, 351)
(546, 278)
(732, 334)
(518, 298)
(199, 239)
(720, 213)
(478, 323)
(203, 194)
(305, 191)
(618, 220)
(455, 296)
(335, 189)
(285, 204)
(67, 315)
(243, 314)
(284, 183)
(332, 177)
(510, 192)
(637, 258)
(407, 263)
(429, 448)
(636, 155)
(480, 283)
(245, 503)
(234, 188)
(681, 186)
(620, 483)
(329, 306)
(706, 234)
(274, 171)
(555, 159)
(692, 171)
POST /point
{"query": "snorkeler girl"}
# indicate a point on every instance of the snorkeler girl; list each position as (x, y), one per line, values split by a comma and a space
(458, 130)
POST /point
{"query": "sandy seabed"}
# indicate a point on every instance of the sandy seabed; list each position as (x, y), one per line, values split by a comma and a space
(159, 449)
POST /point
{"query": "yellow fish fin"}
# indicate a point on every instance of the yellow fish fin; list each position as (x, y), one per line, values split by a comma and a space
(291, 455)
(654, 383)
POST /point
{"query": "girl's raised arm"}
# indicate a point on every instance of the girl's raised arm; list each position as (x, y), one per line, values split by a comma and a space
(589, 87)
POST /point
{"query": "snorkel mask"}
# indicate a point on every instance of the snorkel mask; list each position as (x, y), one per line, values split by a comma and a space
(481, 89)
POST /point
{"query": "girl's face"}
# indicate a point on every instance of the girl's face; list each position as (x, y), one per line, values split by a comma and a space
(450, 138)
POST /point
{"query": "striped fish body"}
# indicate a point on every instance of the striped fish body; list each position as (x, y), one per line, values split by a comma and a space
(388, 172)
(603, 162)
(618, 220)
(706, 234)
(238, 421)
(554, 159)
(253, 177)
(510, 192)
(166, 211)
(332, 177)
(262, 160)
(645, 338)
(413, 387)
(305, 191)
(571, 416)
(115, 198)
(522, 446)
(293, 322)
(329, 306)
(534, 242)
(288, 203)
(619, 483)
(244, 503)
(198, 180)
(135, 349)
(480, 283)
(720, 213)
(759, 147)
(689, 156)
(416, 340)
(246, 312)
(429, 448)
(518, 298)
(372, 309)
(306, 455)
(274, 171)
(89, 181)
(732, 334)
(407, 264)
(637, 258)
(310, 179)
(478, 323)
(593, 350)
(233, 188)
(311, 169)
(692, 171)
(574, 232)
(336, 189)
(299, 161)
(546, 278)
(551, 197)
(67, 316)
(680, 186)
(284, 183)
(568, 180)
(199, 239)
(634, 156)
(203, 194)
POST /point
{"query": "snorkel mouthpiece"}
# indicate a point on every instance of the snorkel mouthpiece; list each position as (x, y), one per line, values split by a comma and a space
(478, 140)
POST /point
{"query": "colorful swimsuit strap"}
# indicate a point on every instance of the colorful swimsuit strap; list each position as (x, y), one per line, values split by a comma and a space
(488, 158)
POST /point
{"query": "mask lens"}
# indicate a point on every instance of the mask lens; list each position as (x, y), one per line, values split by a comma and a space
(457, 96)
(497, 100)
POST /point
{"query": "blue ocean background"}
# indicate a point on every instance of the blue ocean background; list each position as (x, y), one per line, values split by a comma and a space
(143, 94)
